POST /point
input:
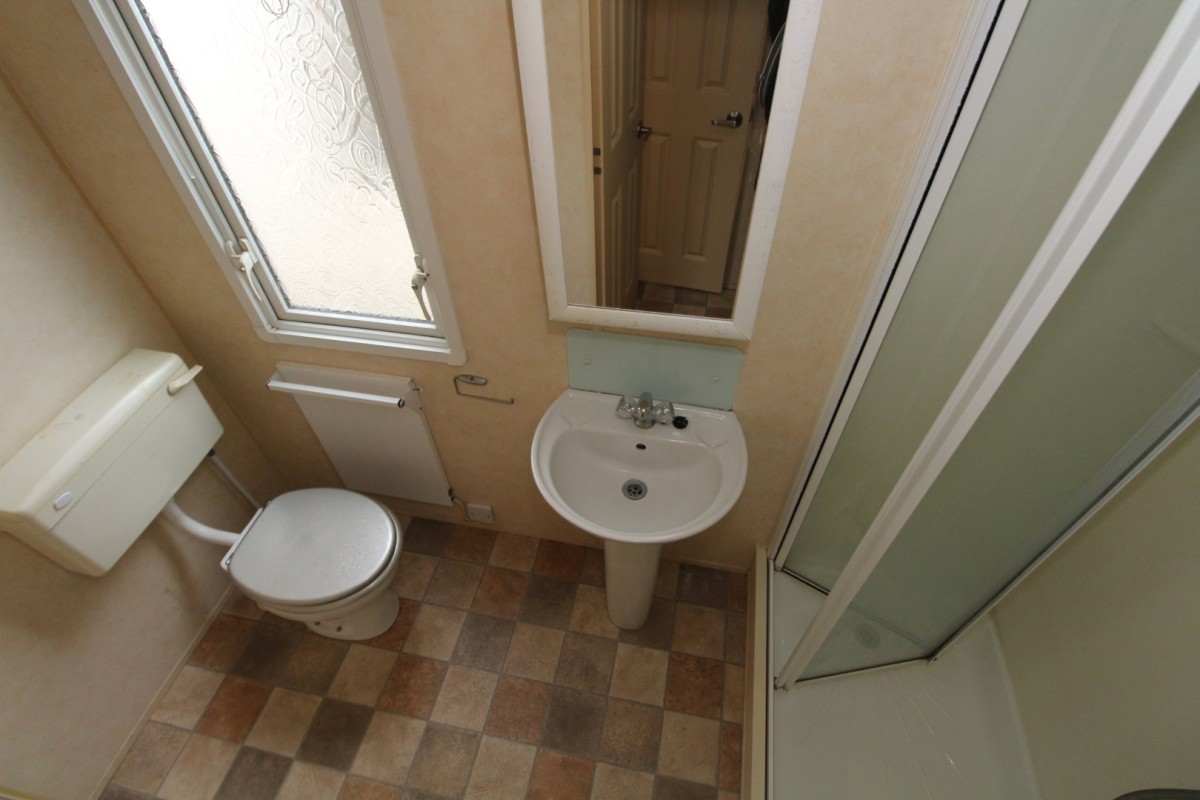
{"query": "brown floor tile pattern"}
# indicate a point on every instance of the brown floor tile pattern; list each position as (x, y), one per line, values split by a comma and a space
(413, 687)
(574, 722)
(659, 628)
(695, 685)
(557, 776)
(443, 762)
(394, 637)
(483, 642)
(234, 709)
(586, 663)
(255, 775)
(149, 760)
(559, 560)
(469, 544)
(189, 695)
(514, 552)
(592, 573)
(500, 592)
(730, 769)
(356, 788)
(534, 652)
(501, 678)
(548, 601)
(222, 643)
(454, 583)
(631, 734)
(335, 733)
(640, 673)
(266, 656)
(362, 675)
(678, 300)
(502, 769)
(283, 722)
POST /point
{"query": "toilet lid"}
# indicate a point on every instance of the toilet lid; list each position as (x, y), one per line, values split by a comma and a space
(313, 546)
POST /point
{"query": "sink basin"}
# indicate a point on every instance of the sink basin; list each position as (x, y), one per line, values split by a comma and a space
(584, 455)
(636, 488)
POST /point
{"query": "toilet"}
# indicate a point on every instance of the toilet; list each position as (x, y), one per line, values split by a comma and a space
(87, 486)
(325, 557)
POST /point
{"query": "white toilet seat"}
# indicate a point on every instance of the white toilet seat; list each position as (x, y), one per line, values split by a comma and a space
(316, 551)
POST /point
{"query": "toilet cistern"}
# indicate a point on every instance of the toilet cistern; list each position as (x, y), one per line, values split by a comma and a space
(85, 488)
(645, 411)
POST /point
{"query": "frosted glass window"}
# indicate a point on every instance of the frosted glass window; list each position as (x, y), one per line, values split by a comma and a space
(278, 91)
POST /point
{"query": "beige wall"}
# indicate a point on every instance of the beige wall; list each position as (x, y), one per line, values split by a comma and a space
(876, 70)
(81, 658)
(1103, 643)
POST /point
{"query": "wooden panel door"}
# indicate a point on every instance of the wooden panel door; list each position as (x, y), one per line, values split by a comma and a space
(702, 62)
(617, 33)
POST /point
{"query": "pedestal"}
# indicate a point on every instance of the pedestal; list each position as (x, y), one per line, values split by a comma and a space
(630, 572)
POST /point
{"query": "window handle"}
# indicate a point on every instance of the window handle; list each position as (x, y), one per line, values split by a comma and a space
(239, 253)
(419, 277)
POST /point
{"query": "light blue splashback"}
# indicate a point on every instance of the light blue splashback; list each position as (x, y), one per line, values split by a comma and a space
(680, 372)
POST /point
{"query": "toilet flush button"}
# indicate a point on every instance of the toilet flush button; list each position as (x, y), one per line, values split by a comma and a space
(63, 500)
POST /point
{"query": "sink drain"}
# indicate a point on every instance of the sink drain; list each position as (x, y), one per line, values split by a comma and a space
(634, 489)
(867, 636)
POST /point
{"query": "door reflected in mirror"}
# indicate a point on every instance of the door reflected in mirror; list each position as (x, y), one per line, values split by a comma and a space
(659, 121)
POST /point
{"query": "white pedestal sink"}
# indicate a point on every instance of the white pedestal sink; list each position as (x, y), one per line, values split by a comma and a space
(636, 488)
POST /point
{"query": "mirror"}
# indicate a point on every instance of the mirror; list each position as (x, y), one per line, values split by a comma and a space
(625, 241)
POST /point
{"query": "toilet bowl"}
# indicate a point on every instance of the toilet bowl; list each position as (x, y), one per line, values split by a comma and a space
(324, 557)
(84, 489)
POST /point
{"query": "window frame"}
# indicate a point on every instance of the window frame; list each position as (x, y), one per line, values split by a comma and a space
(120, 34)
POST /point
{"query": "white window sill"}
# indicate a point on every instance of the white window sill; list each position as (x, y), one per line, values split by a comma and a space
(412, 348)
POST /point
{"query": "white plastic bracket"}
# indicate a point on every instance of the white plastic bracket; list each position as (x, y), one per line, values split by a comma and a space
(240, 254)
(419, 279)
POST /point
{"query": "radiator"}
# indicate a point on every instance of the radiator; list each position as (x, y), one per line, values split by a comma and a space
(372, 427)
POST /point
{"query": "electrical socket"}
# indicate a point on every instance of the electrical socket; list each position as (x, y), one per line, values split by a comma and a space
(477, 512)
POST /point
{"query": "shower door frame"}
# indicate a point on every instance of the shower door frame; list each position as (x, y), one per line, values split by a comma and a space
(1166, 83)
(989, 30)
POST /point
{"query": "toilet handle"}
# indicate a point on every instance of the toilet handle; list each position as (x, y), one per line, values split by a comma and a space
(176, 386)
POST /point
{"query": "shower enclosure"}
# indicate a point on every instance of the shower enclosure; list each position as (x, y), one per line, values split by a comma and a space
(1035, 342)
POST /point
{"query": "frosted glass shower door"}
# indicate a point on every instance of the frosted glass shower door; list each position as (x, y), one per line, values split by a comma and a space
(1113, 370)
(1110, 373)
(1067, 73)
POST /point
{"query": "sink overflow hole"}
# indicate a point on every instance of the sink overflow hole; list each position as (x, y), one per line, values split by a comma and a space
(640, 446)
(634, 489)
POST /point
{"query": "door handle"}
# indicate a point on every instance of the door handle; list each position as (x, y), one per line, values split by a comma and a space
(643, 133)
(732, 120)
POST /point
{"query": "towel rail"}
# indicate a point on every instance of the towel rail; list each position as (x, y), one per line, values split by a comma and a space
(276, 385)
(372, 427)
